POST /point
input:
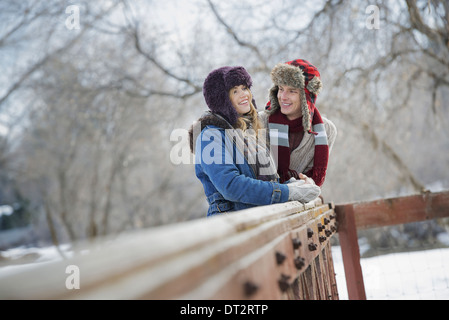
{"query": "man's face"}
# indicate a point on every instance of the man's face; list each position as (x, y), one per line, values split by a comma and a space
(290, 102)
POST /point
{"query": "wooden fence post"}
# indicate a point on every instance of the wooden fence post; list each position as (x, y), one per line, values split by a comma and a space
(347, 233)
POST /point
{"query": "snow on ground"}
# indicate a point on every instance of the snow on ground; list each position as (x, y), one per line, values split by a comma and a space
(6, 210)
(19, 256)
(417, 275)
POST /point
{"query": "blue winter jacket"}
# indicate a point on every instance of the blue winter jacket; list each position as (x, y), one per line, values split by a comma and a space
(230, 185)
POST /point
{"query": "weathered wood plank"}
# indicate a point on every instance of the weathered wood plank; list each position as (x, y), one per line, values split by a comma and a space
(347, 234)
(228, 257)
(400, 210)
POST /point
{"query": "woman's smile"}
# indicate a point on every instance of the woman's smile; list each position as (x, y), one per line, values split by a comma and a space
(240, 97)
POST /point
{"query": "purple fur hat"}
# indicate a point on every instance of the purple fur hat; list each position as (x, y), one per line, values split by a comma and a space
(216, 90)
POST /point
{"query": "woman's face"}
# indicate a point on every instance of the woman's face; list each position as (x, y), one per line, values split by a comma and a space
(240, 98)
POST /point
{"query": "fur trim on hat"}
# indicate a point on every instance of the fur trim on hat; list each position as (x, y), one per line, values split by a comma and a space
(287, 75)
(206, 119)
(315, 85)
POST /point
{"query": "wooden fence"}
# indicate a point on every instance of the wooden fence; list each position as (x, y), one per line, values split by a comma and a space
(273, 252)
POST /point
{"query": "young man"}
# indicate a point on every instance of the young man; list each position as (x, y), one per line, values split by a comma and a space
(301, 137)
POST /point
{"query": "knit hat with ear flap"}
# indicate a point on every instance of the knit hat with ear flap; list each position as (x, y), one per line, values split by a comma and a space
(216, 90)
(297, 74)
(303, 75)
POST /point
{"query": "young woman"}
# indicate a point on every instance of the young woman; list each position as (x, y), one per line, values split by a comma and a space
(231, 158)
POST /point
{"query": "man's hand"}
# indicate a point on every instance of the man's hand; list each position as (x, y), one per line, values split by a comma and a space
(306, 179)
(303, 180)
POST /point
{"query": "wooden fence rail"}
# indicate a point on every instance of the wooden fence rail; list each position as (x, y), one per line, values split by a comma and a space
(274, 252)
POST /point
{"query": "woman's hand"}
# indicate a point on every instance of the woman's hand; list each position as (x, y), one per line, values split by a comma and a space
(303, 192)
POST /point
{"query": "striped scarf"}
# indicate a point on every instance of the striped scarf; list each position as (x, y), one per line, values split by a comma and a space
(280, 127)
(252, 147)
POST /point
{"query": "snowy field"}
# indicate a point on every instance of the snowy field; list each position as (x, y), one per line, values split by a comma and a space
(19, 256)
(418, 275)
